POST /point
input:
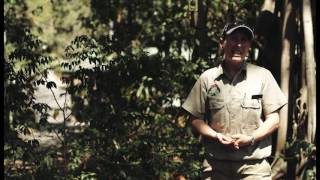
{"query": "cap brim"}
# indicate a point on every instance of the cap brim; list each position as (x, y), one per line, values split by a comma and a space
(242, 27)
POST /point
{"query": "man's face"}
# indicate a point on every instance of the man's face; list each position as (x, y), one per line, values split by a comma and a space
(236, 46)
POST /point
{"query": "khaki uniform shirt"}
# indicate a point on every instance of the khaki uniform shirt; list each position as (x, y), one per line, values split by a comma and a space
(235, 106)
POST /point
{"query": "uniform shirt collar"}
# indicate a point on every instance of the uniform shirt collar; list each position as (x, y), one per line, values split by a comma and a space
(222, 71)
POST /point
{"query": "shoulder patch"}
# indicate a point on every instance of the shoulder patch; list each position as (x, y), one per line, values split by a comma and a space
(213, 90)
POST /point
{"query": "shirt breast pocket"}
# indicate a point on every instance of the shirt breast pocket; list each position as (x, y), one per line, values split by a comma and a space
(251, 113)
(250, 103)
(215, 102)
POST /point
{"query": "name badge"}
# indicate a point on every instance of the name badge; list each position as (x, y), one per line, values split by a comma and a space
(258, 96)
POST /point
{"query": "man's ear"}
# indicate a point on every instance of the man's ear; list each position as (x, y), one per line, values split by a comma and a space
(221, 47)
(221, 44)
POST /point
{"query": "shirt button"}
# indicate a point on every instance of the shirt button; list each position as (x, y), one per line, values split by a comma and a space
(233, 116)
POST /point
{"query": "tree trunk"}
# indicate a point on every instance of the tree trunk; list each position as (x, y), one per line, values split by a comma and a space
(285, 72)
(302, 102)
(200, 49)
(268, 5)
(310, 69)
(279, 166)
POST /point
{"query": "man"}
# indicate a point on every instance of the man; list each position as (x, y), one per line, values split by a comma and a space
(242, 103)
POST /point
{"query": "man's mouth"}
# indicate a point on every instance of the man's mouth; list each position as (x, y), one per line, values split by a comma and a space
(236, 53)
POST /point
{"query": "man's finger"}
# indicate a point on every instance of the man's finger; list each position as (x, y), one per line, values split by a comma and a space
(236, 136)
(226, 141)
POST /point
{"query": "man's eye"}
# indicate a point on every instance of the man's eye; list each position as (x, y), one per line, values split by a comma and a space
(244, 40)
(233, 38)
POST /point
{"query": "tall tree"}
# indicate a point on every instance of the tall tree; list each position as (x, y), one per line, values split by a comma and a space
(310, 68)
(201, 48)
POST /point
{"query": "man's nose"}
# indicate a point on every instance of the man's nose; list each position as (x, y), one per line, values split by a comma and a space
(239, 43)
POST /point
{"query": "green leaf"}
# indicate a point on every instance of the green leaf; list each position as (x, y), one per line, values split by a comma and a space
(51, 84)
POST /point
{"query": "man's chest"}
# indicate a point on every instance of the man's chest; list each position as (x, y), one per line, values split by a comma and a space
(234, 108)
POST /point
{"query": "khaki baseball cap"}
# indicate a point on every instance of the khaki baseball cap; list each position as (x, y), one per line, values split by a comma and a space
(232, 27)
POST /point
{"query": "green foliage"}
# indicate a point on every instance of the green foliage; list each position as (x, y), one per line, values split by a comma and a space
(25, 68)
(135, 128)
(128, 97)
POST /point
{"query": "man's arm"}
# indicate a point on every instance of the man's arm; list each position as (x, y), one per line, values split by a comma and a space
(205, 130)
(270, 124)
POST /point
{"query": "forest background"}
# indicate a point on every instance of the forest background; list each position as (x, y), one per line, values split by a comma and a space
(126, 67)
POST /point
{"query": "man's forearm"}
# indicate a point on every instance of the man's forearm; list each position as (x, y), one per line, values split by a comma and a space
(201, 127)
(270, 124)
